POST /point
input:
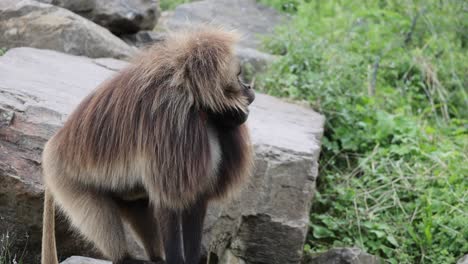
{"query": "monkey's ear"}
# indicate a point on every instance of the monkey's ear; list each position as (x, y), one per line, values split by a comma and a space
(183, 156)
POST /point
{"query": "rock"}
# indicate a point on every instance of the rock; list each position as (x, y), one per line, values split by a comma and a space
(144, 38)
(463, 260)
(124, 16)
(344, 256)
(119, 16)
(84, 260)
(76, 5)
(248, 17)
(253, 61)
(266, 223)
(32, 24)
(72, 5)
(6, 116)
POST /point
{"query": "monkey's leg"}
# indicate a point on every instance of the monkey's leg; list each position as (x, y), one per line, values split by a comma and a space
(192, 228)
(140, 215)
(96, 216)
(170, 222)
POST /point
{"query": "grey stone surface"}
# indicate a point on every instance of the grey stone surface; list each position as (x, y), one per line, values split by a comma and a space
(248, 17)
(84, 260)
(33, 24)
(253, 60)
(463, 260)
(72, 5)
(265, 223)
(124, 16)
(144, 38)
(344, 256)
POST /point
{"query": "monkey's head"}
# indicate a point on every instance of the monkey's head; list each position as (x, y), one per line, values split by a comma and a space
(200, 64)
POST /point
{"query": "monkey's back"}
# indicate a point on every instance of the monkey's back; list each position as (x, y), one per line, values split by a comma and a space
(143, 126)
(122, 135)
(103, 135)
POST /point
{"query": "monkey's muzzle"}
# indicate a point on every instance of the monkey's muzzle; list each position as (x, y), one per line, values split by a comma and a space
(248, 92)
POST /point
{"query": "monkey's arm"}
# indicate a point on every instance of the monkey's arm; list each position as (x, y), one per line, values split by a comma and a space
(228, 119)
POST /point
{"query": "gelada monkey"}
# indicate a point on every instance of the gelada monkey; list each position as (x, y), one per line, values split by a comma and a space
(151, 147)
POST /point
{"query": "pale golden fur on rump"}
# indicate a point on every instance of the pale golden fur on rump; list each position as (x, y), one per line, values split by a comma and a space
(143, 126)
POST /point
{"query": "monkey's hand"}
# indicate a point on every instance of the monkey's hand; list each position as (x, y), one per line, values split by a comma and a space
(228, 119)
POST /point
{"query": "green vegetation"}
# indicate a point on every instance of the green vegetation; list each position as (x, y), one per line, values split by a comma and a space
(283, 5)
(171, 4)
(390, 76)
(6, 256)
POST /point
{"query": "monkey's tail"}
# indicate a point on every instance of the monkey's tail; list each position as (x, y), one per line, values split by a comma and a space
(49, 249)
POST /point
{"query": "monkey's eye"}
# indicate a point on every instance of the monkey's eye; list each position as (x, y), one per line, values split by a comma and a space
(240, 79)
(241, 82)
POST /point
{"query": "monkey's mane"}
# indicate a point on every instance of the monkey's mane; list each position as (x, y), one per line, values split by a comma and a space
(146, 118)
(198, 61)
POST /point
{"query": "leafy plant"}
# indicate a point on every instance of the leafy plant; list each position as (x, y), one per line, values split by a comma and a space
(6, 255)
(289, 6)
(390, 77)
(171, 4)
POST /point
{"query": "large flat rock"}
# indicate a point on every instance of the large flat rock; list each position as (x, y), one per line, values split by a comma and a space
(124, 16)
(33, 24)
(84, 260)
(266, 223)
(248, 17)
(344, 255)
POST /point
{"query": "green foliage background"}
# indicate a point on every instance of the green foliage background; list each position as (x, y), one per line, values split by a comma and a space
(390, 76)
(6, 255)
(171, 4)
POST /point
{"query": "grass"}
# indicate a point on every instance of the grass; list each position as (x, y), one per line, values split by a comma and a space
(391, 78)
(6, 254)
(171, 4)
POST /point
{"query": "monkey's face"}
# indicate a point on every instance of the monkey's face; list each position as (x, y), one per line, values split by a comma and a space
(239, 91)
(239, 88)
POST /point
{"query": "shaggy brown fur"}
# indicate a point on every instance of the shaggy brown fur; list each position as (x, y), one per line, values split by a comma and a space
(147, 129)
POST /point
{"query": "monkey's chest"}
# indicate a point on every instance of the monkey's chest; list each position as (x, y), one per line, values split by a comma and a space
(138, 191)
(215, 151)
